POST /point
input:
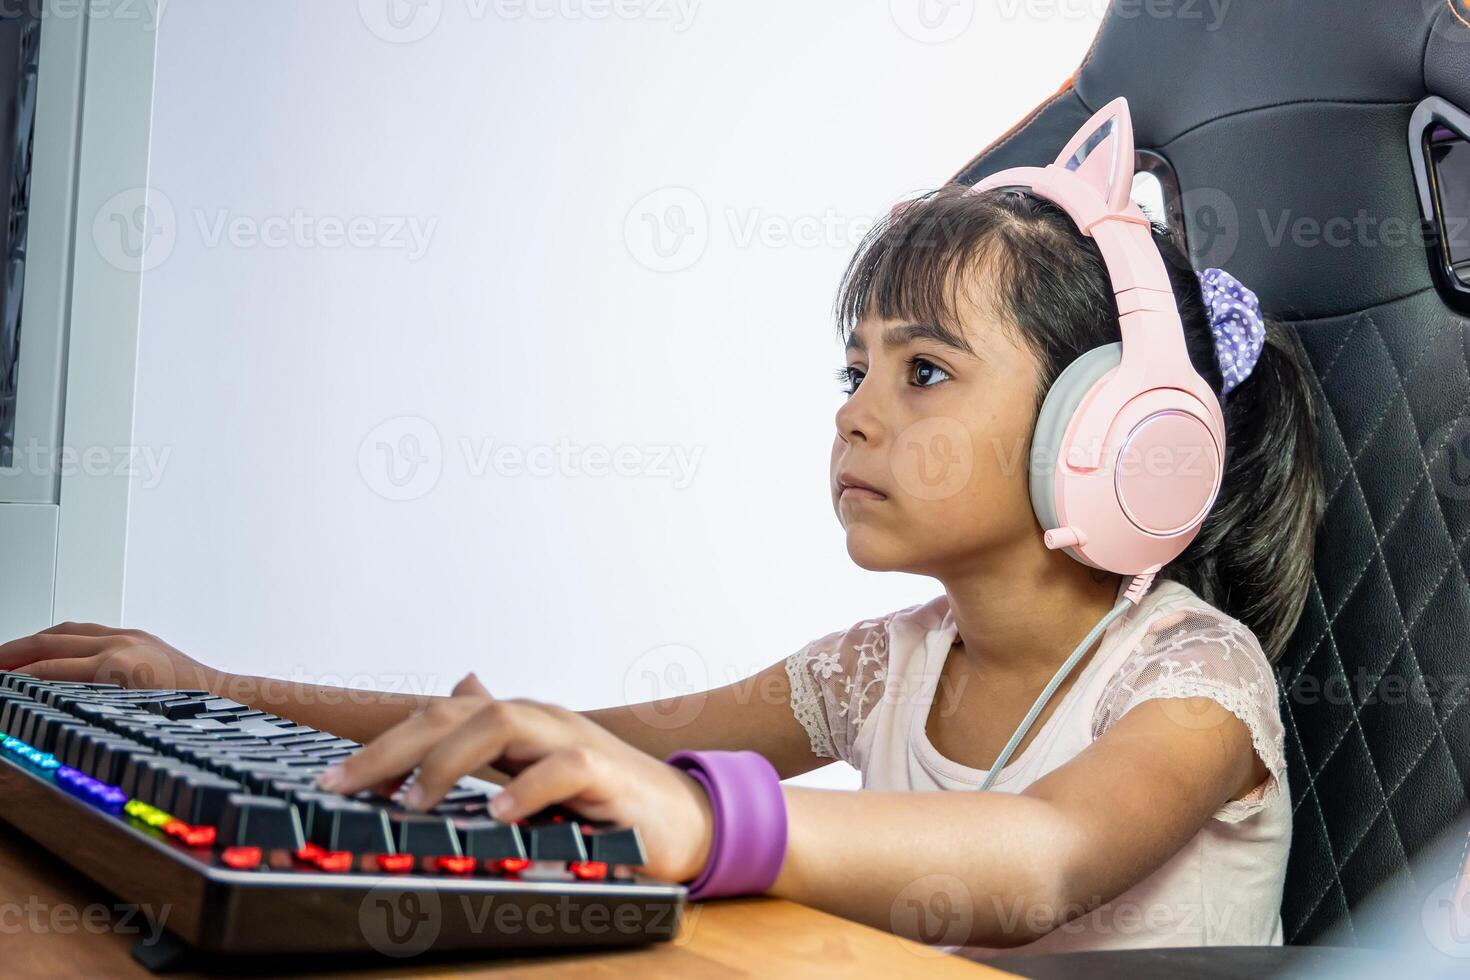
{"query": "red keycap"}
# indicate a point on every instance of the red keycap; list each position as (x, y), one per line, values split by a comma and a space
(456, 865)
(241, 857)
(335, 861)
(200, 836)
(588, 869)
(395, 862)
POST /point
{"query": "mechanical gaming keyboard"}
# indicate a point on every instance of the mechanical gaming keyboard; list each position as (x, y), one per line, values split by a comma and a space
(206, 809)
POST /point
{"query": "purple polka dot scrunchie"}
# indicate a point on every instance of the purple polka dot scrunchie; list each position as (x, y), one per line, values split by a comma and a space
(1235, 321)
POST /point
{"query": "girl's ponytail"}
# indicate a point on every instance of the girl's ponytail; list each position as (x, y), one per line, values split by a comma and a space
(1253, 555)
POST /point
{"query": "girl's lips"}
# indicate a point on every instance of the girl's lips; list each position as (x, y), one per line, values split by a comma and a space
(856, 491)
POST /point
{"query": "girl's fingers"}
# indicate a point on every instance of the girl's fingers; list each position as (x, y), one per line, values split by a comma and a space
(82, 629)
(470, 686)
(80, 669)
(387, 787)
(563, 775)
(391, 755)
(518, 731)
(478, 742)
(48, 646)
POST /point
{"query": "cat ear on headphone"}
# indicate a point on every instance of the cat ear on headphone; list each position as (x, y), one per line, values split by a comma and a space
(1101, 153)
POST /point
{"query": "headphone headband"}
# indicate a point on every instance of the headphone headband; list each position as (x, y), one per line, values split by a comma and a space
(1143, 397)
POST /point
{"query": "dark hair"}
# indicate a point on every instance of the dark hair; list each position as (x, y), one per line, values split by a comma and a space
(1046, 282)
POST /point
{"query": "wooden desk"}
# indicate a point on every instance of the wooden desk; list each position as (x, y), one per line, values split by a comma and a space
(55, 923)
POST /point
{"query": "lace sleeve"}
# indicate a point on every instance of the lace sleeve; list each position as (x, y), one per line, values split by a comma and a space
(835, 681)
(1204, 653)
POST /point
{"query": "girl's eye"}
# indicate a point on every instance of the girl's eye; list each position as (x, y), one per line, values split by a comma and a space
(849, 378)
(926, 374)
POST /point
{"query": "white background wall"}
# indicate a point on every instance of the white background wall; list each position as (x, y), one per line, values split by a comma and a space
(325, 409)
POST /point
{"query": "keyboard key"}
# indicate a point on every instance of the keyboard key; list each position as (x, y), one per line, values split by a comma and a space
(423, 834)
(166, 786)
(616, 845)
(556, 842)
(489, 840)
(47, 730)
(171, 707)
(260, 821)
(107, 757)
(200, 800)
(347, 825)
(140, 768)
(214, 705)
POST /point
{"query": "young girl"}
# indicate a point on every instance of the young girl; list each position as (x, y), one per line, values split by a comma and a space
(1147, 803)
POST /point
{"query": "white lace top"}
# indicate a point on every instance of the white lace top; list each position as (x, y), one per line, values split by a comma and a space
(863, 695)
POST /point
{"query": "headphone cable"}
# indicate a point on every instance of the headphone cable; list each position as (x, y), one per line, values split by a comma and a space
(1134, 594)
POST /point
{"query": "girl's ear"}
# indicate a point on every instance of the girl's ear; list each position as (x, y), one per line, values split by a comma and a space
(1101, 153)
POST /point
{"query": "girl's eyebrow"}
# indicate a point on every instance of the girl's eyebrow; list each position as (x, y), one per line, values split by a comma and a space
(910, 332)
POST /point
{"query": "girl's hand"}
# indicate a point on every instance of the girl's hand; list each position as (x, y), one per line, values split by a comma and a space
(90, 653)
(558, 756)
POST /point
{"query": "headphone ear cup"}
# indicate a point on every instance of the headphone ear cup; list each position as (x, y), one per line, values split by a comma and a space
(1061, 402)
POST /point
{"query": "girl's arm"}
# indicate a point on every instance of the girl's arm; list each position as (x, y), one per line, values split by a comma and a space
(1005, 868)
(753, 713)
(1008, 868)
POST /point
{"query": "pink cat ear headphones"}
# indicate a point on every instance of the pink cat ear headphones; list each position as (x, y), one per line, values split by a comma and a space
(1126, 462)
(1129, 446)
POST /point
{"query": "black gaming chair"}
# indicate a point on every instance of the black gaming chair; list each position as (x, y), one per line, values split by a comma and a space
(1263, 123)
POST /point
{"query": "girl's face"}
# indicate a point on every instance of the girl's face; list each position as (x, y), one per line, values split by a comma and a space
(930, 464)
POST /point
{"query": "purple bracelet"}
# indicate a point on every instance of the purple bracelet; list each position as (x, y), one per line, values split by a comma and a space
(748, 842)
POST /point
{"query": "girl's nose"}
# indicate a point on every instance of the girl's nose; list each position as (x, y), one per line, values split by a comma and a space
(856, 421)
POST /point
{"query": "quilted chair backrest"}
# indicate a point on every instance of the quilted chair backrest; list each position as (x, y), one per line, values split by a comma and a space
(1286, 128)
